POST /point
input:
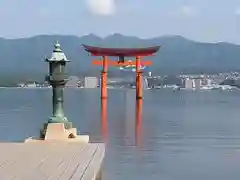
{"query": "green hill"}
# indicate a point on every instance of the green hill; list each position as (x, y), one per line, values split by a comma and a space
(26, 55)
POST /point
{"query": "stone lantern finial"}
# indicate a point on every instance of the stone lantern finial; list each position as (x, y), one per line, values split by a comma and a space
(57, 47)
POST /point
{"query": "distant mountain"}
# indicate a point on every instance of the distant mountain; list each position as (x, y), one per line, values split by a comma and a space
(26, 55)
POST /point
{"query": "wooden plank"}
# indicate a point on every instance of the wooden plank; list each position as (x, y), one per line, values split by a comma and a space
(62, 166)
(71, 171)
(56, 162)
(94, 167)
(49, 161)
(8, 169)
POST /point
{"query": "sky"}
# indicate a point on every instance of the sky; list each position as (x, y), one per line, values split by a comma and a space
(199, 20)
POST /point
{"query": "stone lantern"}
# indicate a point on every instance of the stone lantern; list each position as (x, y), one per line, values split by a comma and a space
(57, 78)
(58, 127)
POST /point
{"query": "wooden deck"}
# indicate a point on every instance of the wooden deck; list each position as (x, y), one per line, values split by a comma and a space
(51, 161)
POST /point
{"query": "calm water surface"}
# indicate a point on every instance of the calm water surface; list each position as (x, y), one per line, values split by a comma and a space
(184, 135)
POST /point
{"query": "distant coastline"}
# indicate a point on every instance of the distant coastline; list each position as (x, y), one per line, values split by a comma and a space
(154, 81)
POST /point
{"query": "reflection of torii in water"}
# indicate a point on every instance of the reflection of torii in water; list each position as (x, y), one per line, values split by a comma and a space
(133, 120)
(133, 125)
(104, 121)
(138, 123)
(129, 117)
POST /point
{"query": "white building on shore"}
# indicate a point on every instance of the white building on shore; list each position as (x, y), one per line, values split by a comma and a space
(90, 82)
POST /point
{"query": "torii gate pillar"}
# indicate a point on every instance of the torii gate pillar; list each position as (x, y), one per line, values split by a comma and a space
(104, 78)
(139, 93)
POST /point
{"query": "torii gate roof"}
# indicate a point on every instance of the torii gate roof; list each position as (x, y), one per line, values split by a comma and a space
(126, 52)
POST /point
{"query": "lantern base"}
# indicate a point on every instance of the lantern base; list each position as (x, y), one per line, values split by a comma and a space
(58, 133)
(55, 120)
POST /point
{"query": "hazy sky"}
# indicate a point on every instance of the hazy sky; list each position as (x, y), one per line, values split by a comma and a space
(202, 20)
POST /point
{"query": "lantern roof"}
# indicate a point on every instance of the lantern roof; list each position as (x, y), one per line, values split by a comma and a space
(57, 54)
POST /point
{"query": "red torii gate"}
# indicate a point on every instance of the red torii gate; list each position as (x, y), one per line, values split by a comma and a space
(121, 53)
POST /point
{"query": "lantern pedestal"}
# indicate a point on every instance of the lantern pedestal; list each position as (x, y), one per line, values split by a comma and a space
(67, 125)
(56, 132)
